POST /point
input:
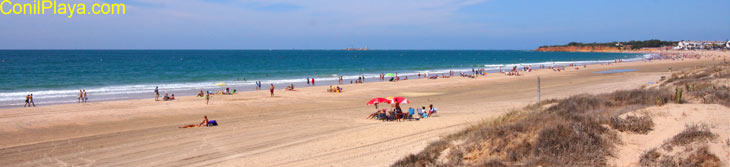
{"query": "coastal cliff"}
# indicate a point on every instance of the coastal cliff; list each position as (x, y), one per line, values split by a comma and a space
(627, 46)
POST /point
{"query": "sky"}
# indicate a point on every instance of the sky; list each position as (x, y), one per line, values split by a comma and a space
(377, 24)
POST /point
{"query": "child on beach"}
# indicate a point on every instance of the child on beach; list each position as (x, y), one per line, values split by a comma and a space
(271, 89)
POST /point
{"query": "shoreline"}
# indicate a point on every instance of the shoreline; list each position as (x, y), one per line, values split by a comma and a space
(185, 89)
(307, 127)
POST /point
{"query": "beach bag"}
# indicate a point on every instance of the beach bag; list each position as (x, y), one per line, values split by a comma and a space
(212, 123)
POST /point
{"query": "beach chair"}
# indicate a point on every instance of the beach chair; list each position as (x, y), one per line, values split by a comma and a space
(411, 112)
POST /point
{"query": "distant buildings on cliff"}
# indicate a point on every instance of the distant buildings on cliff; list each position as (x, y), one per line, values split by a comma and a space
(697, 45)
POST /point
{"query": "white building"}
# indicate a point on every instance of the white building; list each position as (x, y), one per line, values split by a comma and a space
(693, 45)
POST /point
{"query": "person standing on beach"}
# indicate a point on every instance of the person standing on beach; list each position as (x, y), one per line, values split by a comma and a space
(312, 81)
(272, 90)
(31, 101)
(157, 93)
(81, 95)
(207, 97)
(27, 101)
(84, 98)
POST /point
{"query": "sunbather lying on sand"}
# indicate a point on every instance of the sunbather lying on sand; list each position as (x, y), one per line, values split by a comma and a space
(204, 123)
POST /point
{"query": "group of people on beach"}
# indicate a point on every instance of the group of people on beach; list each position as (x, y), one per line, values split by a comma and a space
(397, 114)
(168, 98)
(82, 96)
(334, 89)
(29, 101)
(310, 81)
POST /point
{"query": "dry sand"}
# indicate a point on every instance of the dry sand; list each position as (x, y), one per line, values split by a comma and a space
(670, 120)
(308, 127)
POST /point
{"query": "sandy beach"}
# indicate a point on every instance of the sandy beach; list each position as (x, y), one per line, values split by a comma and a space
(307, 127)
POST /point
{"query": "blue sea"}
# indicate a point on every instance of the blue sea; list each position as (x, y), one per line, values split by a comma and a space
(55, 76)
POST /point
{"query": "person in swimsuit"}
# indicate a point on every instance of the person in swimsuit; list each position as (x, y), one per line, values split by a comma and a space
(81, 95)
(85, 98)
(207, 98)
(271, 89)
(31, 100)
(27, 101)
(204, 123)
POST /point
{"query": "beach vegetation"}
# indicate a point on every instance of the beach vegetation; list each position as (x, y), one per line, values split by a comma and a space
(635, 124)
(694, 151)
(566, 131)
(581, 130)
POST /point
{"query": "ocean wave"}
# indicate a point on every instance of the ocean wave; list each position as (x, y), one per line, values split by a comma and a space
(138, 90)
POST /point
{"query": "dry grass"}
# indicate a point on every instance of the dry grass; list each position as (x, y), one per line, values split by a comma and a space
(694, 150)
(650, 157)
(427, 157)
(641, 125)
(701, 157)
(702, 84)
(570, 132)
(692, 133)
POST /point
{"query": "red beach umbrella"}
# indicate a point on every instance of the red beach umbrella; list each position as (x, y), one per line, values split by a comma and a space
(378, 100)
(400, 100)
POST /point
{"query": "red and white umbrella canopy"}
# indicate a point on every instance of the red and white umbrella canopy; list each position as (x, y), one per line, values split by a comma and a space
(400, 100)
(378, 100)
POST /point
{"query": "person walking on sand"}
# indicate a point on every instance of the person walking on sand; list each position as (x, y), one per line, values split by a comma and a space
(27, 101)
(31, 100)
(157, 93)
(272, 90)
(207, 98)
